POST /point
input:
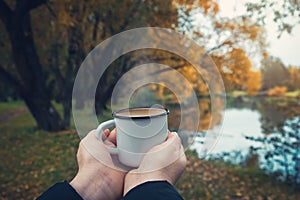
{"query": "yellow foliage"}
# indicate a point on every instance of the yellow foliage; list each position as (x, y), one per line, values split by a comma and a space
(209, 5)
(252, 31)
(160, 92)
(294, 77)
(195, 79)
(254, 82)
(229, 26)
(250, 28)
(234, 68)
(277, 91)
(265, 54)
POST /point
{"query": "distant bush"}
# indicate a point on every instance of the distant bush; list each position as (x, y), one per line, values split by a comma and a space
(277, 91)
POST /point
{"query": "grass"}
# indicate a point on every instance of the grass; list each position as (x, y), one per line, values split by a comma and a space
(7, 107)
(32, 160)
(238, 93)
(293, 94)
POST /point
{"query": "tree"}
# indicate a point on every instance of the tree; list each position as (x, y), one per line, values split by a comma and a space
(284, 13)
(30, 77)
(232, 42)
(294, 83)
(274, 73)
(46, 70)
(235, 69)
(228, 53)
(65, 27)
(254, 82)
(49, 43)
(165, 16)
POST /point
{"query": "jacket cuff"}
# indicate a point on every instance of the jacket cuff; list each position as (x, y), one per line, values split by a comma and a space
(60, 191)
(153, 190)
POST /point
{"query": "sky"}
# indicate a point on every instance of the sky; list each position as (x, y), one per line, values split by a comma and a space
(286, 47)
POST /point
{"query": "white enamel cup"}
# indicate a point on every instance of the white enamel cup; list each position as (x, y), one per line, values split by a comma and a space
(138, 130)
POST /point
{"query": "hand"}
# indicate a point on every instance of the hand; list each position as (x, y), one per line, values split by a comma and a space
(98, 177)
(163, 162)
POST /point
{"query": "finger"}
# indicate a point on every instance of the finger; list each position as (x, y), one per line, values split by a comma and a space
(169, 132)
(113, 136)
(111, 139)
(173, 143)
(105, 134)
(95, 147)
(92, 136)
(172, 138)
(91, 145)
(162, 155)
(92, 140)
(171, 135)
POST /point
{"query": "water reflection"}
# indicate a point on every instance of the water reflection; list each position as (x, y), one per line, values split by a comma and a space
(281, 151)
(262, 133)
(237, 124)
(205, 115)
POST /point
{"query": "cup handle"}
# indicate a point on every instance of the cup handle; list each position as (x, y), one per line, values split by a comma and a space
(101, 128)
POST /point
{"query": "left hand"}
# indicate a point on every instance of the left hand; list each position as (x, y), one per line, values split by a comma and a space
(98, 176)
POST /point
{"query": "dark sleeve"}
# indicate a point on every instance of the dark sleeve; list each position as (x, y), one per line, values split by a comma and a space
(60, 191)
(153, 190)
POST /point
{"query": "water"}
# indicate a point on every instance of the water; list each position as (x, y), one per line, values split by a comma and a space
(237, 124)
(259, 131)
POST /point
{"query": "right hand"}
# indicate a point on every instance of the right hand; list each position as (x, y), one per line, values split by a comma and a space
(164, 162)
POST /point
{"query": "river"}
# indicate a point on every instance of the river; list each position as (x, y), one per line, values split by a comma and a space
(237, 124)
(263, 133)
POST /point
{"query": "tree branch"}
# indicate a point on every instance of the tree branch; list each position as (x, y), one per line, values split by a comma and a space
(168, 69)
(134, 9)
(52, 12)
(216, 47)
(5, 13)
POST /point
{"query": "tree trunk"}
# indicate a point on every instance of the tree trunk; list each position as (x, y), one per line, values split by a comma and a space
(75, 57)
(43, 112)
(31, 77)
(108, 81)
(102, 97)
(67, 107)
(105, 87)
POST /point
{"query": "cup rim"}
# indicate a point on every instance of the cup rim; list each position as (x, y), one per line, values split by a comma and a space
(115, 113)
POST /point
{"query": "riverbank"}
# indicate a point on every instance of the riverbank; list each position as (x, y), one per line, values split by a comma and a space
(237, 93)
(33, 160)
(218, 180)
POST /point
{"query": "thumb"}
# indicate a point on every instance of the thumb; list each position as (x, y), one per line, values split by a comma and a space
(172, 139)
(162, 155)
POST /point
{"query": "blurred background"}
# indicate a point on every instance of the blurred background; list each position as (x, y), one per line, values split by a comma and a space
(254, 45)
